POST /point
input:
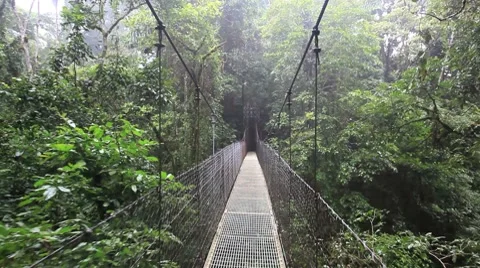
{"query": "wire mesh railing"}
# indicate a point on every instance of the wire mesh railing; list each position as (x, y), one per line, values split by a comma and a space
(190, 210)
(312, 233)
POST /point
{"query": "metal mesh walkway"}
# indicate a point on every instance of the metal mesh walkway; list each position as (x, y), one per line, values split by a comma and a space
(247, 234)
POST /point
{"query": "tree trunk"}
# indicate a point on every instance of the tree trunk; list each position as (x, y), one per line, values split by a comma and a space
(23, 35)
(37, 41)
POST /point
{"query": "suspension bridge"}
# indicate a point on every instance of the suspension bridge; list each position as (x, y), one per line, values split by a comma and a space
(244, 206)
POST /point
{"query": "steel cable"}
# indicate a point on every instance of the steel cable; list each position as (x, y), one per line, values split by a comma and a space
(182, 61)
(304, 55)
(313, 231)
(185, 233)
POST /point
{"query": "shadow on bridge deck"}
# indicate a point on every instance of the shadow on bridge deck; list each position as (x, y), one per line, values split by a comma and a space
(247, 234)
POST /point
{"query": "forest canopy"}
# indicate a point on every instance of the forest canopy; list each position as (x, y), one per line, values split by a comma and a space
(398, 145)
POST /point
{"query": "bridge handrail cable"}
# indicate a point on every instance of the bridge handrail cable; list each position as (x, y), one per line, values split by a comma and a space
(182, 194)
(282, 181)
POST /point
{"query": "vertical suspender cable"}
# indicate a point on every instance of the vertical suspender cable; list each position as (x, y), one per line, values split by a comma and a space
(160, 28)
(289, 104)
(316, 50)
(244, 116)
(160, 45)
(197, 127)
(197, 173)
(289, 223)
(213, 134)
(182, 61)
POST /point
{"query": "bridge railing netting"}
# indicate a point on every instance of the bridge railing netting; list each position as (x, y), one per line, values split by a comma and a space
(190, 209)
(312, 234)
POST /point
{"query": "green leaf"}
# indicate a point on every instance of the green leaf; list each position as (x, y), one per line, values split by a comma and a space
(98, 133)
(79, 164)
(3, 230)
(26, 202)
(50, 192)
(64, 189)
(126, 251)
(63, 230)
(152, 158)
(39, 183)
(99, 254)
(63, 147)
(137, 132)
(71, 123)
(134, 188)
(167, 176)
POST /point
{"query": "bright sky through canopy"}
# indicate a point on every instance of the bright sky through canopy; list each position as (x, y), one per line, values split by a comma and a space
(46, 6)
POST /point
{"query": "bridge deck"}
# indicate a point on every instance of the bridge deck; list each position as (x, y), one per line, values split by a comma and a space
(247, 234)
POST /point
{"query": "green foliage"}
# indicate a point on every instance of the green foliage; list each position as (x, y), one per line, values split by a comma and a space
(82, 140)
(398, 146)
(403, 143)
(84, 170)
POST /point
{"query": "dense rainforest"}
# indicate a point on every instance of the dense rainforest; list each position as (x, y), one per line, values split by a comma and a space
(398, 147)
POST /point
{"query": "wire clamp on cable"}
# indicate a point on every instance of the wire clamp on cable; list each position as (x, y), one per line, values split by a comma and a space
(197, 94)
(160, 28)
(316, 33)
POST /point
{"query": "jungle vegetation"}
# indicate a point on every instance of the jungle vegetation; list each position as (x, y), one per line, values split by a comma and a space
(399, 128)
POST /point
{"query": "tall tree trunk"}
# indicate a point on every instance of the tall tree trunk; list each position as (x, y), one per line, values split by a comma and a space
(57, 31)
(23, 25)
(37, 41)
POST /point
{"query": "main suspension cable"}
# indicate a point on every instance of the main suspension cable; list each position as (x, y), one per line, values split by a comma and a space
(307, 48)
(177, 52)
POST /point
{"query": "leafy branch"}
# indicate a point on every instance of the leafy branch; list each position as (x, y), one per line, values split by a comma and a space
(433, 15)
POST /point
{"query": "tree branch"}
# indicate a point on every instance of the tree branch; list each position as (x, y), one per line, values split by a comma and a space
(160, 139)
(433, 15)
(437, 115)
(438, 259)
(107, 32)
(204, 57)
(212, 51)
(119, 19)
(193, 51)
(414, 121)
